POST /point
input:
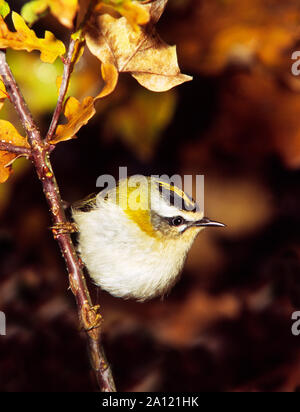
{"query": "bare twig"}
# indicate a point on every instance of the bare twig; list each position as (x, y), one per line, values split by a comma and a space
(18, 101)
(68, 68)
(88, 314)
(19, 150)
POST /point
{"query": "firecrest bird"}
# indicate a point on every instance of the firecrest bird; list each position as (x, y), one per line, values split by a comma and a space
(134, 238)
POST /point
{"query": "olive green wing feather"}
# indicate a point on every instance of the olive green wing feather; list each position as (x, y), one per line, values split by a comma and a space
(86, 204)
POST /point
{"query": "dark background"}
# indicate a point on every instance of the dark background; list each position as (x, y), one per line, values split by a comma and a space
(226, 326)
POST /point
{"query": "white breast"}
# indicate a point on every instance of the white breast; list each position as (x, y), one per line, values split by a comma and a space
(122, 259)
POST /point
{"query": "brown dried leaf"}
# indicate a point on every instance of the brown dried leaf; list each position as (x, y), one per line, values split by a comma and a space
(78, 114)
(142, 53)
(8, 134)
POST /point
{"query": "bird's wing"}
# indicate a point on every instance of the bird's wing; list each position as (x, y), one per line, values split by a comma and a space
(86, 204)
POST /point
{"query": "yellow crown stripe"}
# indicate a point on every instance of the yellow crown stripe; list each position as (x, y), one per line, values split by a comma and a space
(178, 192)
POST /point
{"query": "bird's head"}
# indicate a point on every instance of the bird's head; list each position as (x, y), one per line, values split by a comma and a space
(161, 209)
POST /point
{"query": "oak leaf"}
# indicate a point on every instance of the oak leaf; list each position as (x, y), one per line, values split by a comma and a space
(26, 39)
(78, 114)
(4, 8)
(135, 13)
(142, 53)
(8, 134)
(64, 10)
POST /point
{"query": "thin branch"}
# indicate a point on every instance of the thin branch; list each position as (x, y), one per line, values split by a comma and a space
(68, 68)
(18, 101)
(88, 314)
(19, 150)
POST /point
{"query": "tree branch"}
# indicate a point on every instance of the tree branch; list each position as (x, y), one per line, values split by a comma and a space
(68, 68)
(18, 101)
(89, 318)
(19, 150)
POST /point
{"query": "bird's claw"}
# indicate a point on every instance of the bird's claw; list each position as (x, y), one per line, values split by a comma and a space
(93, 318)
(65, 228)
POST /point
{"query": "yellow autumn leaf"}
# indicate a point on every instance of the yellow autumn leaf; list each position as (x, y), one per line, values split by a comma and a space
(64, 10)
(3, 94)
(78, 47)
(8, 134)
(5, 165)
(110, 77)
(135, 13)
(142, 53)
(78, 114)
(26, 39)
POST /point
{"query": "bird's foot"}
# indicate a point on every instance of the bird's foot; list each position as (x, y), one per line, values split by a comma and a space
(97, 321)
(65, 228)
(91, 318)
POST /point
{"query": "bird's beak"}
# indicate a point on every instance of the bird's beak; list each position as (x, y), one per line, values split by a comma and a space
(205, 222)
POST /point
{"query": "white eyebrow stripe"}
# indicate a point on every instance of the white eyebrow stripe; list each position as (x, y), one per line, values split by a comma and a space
(163, 209)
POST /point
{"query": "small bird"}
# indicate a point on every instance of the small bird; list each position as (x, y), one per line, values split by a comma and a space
(134, 238)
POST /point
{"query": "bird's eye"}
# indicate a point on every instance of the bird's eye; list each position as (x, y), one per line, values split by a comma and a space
(177, 221)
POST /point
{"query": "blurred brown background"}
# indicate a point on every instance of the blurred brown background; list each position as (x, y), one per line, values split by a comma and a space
(226, 326)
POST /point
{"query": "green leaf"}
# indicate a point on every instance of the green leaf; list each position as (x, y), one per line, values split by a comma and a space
(32, 11)
(4, 8)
